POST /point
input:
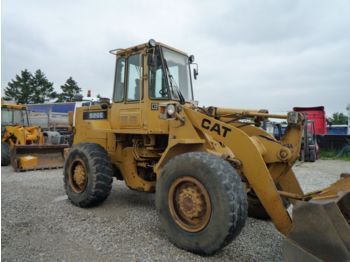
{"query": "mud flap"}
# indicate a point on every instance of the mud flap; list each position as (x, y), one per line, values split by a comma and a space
(321, 230)
(32, 157)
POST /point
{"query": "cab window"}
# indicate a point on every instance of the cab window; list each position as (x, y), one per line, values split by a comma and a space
(119, 80)
(179, 72)
(158, 86)
(6, 117)
(134, 78)
(20, 117)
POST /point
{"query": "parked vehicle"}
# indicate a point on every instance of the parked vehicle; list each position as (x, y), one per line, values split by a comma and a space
(309, 151)
(317, 115)
(51, 116)
(27, 146)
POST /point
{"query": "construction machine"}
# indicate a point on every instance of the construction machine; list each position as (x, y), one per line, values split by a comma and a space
(309, 147)
(27, 147)
(206, 165)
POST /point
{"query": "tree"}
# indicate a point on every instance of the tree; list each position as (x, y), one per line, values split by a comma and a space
(43, 89)
(20, 90)
(69, 90)
(338, 119)
(30, 89)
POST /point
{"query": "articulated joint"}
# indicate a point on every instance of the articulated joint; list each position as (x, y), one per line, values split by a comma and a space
(284, 154)
(271, 151)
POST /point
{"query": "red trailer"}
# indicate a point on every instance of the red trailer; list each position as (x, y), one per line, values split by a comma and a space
(317, 115)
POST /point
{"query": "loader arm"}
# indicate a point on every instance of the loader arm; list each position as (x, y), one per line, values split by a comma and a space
(318, 217)
(253, 153)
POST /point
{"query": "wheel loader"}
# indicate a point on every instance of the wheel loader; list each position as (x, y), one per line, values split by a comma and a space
(26, 147)
(206, 165)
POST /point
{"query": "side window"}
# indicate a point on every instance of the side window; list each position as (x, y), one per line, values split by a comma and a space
(119, 80)
(134, 77)
(157, 84)
(19, 117)
(6, 116)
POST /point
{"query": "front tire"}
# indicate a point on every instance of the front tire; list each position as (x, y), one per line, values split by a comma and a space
(5, 154)
(201, 202)
(87, 175)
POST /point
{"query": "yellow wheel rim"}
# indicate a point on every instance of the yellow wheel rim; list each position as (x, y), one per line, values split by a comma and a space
(189, 204)
(78, 177)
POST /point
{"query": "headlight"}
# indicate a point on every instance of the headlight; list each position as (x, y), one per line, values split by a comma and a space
(170, 109)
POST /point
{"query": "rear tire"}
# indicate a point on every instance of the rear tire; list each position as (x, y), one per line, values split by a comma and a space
(201, 202)
(87, 175)
(5, 154)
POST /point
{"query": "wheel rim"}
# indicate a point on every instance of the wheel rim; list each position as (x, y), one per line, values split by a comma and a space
(77, 176)
(189, 204)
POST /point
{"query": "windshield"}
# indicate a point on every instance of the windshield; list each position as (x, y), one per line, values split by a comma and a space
(13, 117)
(179, 70)
(176, 79)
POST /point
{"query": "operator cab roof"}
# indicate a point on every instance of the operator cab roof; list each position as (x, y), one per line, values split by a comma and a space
(149, 44)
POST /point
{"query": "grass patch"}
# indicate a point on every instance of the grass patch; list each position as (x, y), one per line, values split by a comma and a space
(332, 155)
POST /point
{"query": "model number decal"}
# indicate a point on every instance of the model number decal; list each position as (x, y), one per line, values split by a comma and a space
(217, 128)
(95, 115)
(154, 106)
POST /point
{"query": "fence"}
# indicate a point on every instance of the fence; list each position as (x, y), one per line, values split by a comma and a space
(333, 142)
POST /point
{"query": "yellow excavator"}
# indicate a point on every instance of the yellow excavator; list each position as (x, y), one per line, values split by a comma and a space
(206, 165)
(26, 146)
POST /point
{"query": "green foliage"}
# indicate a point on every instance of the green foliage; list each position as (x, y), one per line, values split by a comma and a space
(69, 90)
(27, 88)
(344, 152)
(43, 89)
(20, 89)
(333, 155)
(338, 119)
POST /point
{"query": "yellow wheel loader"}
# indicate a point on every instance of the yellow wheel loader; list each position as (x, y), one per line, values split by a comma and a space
(24, 146)
(206, 165)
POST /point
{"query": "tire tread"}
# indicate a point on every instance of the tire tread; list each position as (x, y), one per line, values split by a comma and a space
(233, 189)
(101, 174)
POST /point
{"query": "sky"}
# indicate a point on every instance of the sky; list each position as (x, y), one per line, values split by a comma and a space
(255, 54)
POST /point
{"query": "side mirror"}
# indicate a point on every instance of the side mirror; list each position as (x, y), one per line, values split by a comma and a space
(195, 70)
(195, 73)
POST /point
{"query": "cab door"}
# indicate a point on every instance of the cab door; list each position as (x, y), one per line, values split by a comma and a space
(127, 109)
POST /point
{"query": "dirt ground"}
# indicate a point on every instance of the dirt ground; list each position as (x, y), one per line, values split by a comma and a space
(40, 224)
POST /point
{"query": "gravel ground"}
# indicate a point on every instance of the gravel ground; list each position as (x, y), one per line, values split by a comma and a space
(39, 223)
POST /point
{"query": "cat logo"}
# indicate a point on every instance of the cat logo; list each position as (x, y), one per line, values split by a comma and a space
(220, 130)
